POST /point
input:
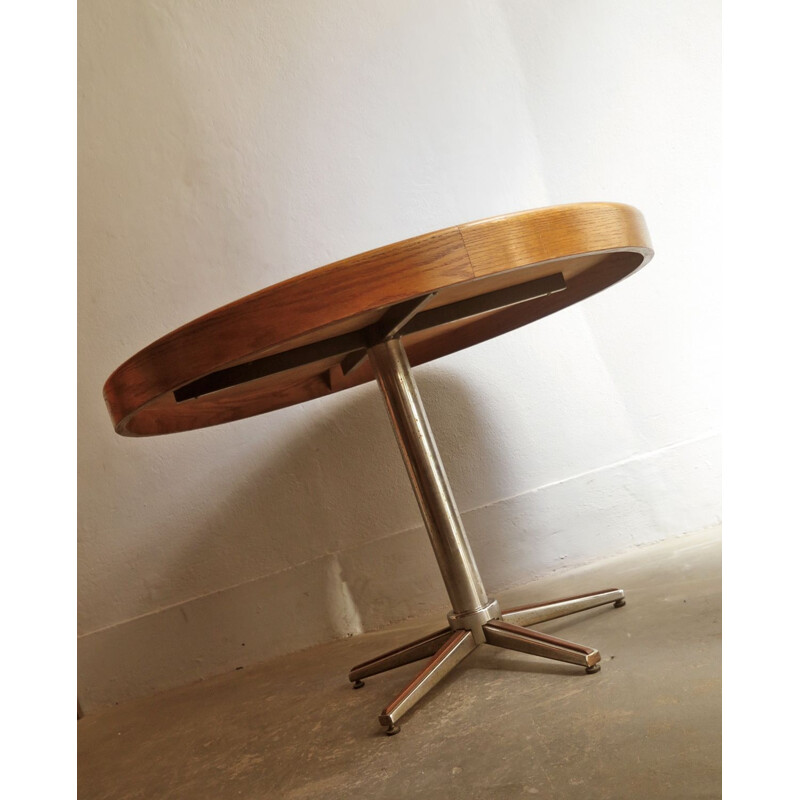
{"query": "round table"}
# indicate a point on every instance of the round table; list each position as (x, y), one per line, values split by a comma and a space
(374, 316)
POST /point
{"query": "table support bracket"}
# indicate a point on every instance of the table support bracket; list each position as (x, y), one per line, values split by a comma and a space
(351, 348)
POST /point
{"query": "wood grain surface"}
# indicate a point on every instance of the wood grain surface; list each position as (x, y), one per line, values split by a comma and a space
(583, 247)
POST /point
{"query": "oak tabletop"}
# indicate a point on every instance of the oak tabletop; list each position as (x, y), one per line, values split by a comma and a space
(307, 336)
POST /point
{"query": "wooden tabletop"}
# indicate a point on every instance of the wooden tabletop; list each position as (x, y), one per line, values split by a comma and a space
(307, 336)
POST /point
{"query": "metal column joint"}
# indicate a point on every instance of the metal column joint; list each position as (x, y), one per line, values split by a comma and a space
(475, 620)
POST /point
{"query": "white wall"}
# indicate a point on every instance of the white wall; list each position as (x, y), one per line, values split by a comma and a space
(227, 146)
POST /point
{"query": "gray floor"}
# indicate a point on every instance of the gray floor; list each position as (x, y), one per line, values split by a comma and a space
(503, 725)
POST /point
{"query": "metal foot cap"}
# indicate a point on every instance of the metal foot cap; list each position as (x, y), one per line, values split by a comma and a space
(591, 670)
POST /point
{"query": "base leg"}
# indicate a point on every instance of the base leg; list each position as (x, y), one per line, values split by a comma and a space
(425, 647)
(458, 646)
(512, 637)
(540, 612)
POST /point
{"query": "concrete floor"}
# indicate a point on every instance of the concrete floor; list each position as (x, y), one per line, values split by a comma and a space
(503, 725)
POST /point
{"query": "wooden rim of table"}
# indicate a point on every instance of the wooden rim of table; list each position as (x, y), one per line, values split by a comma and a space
(307, 336)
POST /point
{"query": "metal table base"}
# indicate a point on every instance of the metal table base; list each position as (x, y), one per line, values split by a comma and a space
(475, 619)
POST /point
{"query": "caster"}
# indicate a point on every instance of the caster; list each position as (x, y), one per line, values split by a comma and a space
(591, 670)
(619, 603)
(358, 684)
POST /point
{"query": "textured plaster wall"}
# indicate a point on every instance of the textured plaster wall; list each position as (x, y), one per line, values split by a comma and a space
(227, 146)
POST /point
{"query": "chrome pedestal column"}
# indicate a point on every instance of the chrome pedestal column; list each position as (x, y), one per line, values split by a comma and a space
(475, 618)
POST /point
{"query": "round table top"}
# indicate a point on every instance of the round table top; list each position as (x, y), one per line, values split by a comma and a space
(307, 336)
